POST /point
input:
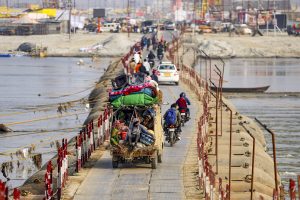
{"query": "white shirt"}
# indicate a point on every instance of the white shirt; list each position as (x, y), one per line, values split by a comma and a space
(147, 65)
(136, 58)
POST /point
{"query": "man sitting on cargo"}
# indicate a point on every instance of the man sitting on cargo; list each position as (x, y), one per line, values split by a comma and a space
(134, 132)
(148, 118)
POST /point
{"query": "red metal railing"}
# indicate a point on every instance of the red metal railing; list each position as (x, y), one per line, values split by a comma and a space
(87, 141)
(207, 177)
(4, 192)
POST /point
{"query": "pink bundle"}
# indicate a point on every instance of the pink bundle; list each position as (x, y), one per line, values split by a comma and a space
(131, 89)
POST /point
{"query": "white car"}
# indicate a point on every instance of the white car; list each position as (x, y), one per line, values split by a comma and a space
(110, 27)
(167, 72)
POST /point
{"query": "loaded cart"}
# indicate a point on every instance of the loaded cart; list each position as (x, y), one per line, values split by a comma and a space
(148, 147)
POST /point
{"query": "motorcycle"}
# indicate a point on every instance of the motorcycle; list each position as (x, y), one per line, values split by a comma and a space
(160, 57)
(184, 117)
(151, 62)
(171, 134)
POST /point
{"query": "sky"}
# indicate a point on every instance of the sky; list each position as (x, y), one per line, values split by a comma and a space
(109, 3)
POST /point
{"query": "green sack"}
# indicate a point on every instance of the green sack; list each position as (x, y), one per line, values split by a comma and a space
(134, 100)
(114, 140)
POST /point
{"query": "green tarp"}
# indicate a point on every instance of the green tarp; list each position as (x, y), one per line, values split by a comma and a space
(134, 100)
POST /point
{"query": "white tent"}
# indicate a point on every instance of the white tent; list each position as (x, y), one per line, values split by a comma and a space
(25, 20)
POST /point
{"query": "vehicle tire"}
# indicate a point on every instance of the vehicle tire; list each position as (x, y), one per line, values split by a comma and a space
(171, 138)
(148, 160)
(159, 158)
(115, 164)
(182, 123)
(176, 83)
(154, 162)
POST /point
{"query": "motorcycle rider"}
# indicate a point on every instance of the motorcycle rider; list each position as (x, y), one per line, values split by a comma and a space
(151, 57)
(176, 122)
(183, 103)
(160, 52)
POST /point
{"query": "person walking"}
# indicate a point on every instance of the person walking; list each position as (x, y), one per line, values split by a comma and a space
(147, 65)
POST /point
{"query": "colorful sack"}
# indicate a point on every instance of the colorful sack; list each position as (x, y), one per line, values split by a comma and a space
(147, 139)
(134, 100)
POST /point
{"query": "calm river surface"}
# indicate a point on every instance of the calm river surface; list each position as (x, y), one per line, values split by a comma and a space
(31, 91)
(280, 112)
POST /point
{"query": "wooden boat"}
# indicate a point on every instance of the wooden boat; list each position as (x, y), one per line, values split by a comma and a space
(244, 90)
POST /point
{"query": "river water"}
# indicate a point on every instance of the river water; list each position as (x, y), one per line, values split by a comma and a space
(32, 90)
(278, 108)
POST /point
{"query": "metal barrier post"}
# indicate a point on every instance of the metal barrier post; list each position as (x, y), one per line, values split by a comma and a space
(66, 160)
(100, 129)
(274, 151)
(16, 194)
(292, 188)
(216, 134)
(275, 194)
(230, 149)
(253, 157)
(298, 178)
(59, 178)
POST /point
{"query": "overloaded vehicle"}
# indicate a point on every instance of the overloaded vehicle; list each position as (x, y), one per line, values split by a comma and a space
(167, 73)
(136, 133)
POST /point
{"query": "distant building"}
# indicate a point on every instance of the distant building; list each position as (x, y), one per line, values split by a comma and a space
(228, 5)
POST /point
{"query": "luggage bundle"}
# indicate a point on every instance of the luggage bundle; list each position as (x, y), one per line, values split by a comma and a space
(119, 133)
(147, 139)
(135, 95)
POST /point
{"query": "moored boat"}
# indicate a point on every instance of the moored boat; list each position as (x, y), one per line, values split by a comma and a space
(244, 90)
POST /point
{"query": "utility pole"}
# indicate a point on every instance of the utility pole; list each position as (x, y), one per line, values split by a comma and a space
(70, 12)
(6, 6)
(128, 16)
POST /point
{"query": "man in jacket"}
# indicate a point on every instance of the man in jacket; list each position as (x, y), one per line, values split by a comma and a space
(183, 103)
(174, 108)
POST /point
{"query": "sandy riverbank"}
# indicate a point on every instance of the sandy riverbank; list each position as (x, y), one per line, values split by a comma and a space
(245, 46)
(114, 44)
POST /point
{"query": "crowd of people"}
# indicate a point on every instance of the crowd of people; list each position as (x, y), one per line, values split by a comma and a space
(141, 68)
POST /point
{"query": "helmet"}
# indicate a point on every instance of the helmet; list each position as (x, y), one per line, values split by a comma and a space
(173, 105)
(182, 94)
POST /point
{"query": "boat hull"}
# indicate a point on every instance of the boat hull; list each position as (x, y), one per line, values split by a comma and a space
(243, 90)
